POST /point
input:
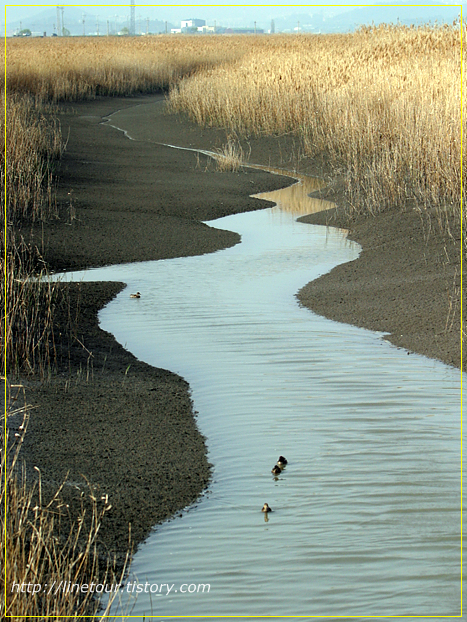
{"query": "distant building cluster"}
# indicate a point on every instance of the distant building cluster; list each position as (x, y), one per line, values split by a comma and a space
(190, 26)
(195, 26)
(136, 26)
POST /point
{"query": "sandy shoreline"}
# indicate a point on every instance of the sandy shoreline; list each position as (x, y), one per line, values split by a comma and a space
(132, 434)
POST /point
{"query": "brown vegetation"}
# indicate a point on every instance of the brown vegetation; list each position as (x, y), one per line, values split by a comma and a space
(382, 105)
(70, 69)
(33, 145)
(37, 552)
(229, 157)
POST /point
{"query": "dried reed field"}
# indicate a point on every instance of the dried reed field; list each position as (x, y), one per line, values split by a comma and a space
(383, 105)
(70, 69)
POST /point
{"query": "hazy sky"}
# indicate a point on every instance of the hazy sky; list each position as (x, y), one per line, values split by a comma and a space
(17, 10)
(225, 13)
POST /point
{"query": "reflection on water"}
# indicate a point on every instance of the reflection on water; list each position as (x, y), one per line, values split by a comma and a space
(296, 199)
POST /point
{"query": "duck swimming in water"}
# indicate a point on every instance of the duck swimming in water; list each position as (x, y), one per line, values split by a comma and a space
(276, 470)
(281, 462)
(137, 295)
(266, 508)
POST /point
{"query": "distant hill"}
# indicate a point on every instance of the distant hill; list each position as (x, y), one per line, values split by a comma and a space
(85, 21)
(348, 21)
(93, 20)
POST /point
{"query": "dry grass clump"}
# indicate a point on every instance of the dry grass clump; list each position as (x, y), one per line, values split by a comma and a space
(35, 555)
(383, 105)
(59, 69)
(229, 157)
(27, 328)
(33, 145)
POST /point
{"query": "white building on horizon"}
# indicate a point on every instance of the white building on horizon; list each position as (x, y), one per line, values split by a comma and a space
(192, 23)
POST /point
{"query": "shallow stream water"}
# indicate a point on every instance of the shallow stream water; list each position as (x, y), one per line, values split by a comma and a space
(366, 516)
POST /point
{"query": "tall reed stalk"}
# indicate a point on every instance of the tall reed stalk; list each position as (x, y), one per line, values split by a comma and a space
(35, 551)
(33, 146)
(382, 105)
(230, 157)
(26, 328)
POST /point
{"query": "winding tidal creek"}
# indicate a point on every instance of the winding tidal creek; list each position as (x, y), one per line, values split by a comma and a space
(366, 516)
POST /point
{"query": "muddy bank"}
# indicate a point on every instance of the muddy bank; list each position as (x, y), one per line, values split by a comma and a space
(123, 201)
(108, 424)
(406, 282)
(106, 418)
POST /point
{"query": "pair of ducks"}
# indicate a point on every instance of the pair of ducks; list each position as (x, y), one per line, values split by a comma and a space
(137, 295)
(276, 470)
(280, 464)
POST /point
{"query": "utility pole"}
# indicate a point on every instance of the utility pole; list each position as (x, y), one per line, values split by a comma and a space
(108, 28)
(147, 25)
(63, 21)
(165, 27)
(255, 27)
(97, 25)
(132, 18)
(59, 30)
(84, 24)
(273, 27)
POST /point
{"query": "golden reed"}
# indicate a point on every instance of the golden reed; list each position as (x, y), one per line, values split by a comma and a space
(383, 105)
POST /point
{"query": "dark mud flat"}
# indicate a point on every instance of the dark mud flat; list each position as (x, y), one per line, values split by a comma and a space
(129, 428)
(406, 282)
(123, 426)
(109, 424)
(123, 200)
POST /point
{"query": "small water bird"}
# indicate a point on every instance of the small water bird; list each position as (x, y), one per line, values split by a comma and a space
(281, 462)
(137, 295)
(266, 508)
(276, 470)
